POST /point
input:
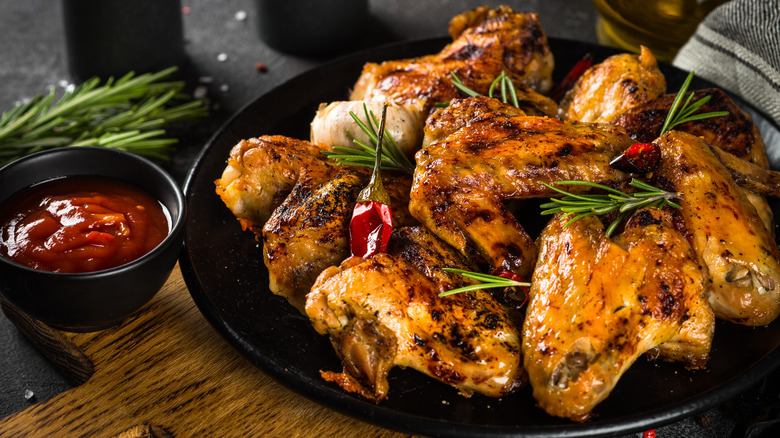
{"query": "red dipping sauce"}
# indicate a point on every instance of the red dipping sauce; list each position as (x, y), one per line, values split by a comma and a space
(80, 224)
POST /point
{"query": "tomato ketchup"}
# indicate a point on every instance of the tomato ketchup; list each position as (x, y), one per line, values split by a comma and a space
(80, 224)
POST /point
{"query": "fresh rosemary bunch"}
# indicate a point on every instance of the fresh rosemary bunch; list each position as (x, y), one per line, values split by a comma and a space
(686, 113)
(508, 91)
(128, 113)
(364, 155)
(615, 201)
(487, 281)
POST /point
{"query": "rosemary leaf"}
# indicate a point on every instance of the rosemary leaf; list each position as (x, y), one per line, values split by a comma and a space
(128, 113)
(597, 204)
(487, 281)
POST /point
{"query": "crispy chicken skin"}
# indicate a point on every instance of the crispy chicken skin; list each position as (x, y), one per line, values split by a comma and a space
(612, 87)
(596, 305)
(462, 181)
(461, 112)
(491, 40)
(299, 206)
(383, 311)
(724, 230)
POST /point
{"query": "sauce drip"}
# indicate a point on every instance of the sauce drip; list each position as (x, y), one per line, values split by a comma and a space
(80, 224)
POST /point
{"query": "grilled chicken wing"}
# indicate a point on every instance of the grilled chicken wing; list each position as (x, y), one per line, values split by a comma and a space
(596, 305)
(299, 206)
(462, 180)
(724, 229)
(383, 311)
(491, 40)
(461, 112)
(612, 87)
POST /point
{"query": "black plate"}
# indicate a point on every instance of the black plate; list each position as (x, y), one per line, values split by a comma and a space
(223, 268)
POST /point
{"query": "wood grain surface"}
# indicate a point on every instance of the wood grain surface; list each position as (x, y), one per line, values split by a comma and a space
(166, 372)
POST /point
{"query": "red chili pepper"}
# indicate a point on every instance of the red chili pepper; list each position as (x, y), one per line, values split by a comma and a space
(638, 158)
(571, 77)
(372, 220)
(649, 434)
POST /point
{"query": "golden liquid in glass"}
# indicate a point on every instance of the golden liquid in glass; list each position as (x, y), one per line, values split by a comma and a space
(661, 25)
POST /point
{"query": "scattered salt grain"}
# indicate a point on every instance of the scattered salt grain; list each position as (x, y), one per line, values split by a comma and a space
(222, 57)
(205, 79)
(200, 92)
(240, 15)
(28, 395)
(224, 88)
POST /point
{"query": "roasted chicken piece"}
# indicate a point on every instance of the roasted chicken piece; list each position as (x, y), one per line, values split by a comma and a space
(724, 230)
(610, 88)
(597, 304)
(486, 42)
(461, 112)
(463, 180)
(299, 206)
(383, 311)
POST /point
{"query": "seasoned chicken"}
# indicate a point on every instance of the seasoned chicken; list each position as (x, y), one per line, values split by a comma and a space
(383, 311)
(299, 206)
(333, 124)
(610, 88)
(597, 304)
(486, 42)
(462, 180)
(724, 230)
(461, 112)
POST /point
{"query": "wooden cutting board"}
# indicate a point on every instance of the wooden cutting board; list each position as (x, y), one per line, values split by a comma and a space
(166, 372)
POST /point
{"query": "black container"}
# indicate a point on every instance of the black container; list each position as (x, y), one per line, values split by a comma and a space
(92, 300)
(312, 27)
(112, 37)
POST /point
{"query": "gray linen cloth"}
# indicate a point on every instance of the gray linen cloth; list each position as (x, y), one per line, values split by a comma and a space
(737, 47)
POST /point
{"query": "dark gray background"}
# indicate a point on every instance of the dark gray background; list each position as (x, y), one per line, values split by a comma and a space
(33, 59)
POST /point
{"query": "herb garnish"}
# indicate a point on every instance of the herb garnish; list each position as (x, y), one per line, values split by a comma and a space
(128, 113)
(365, 155)
(598, 204)
(508, 91)
(685, 113)
(487, 281)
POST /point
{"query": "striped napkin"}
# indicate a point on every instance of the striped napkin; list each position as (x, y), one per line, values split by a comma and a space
(737, 47)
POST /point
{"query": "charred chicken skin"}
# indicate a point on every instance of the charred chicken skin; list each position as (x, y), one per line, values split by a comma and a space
(610, 88)
(724, 230)
(299, 206)
(383, 312)
(462, 180)
(486, 41)
(597, 304)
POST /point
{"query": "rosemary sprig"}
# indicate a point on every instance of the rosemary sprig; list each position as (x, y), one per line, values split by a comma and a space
(487, 281)
(508, 91)
(597, 204)
(128, 113)
(364, 155)
(686, 113)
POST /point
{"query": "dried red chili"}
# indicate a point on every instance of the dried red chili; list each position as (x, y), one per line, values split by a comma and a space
(638, 158)
(649, 434)
(571, 77)
(372, 220)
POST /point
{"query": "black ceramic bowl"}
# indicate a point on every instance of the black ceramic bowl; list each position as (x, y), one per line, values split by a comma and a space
(93, 300)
